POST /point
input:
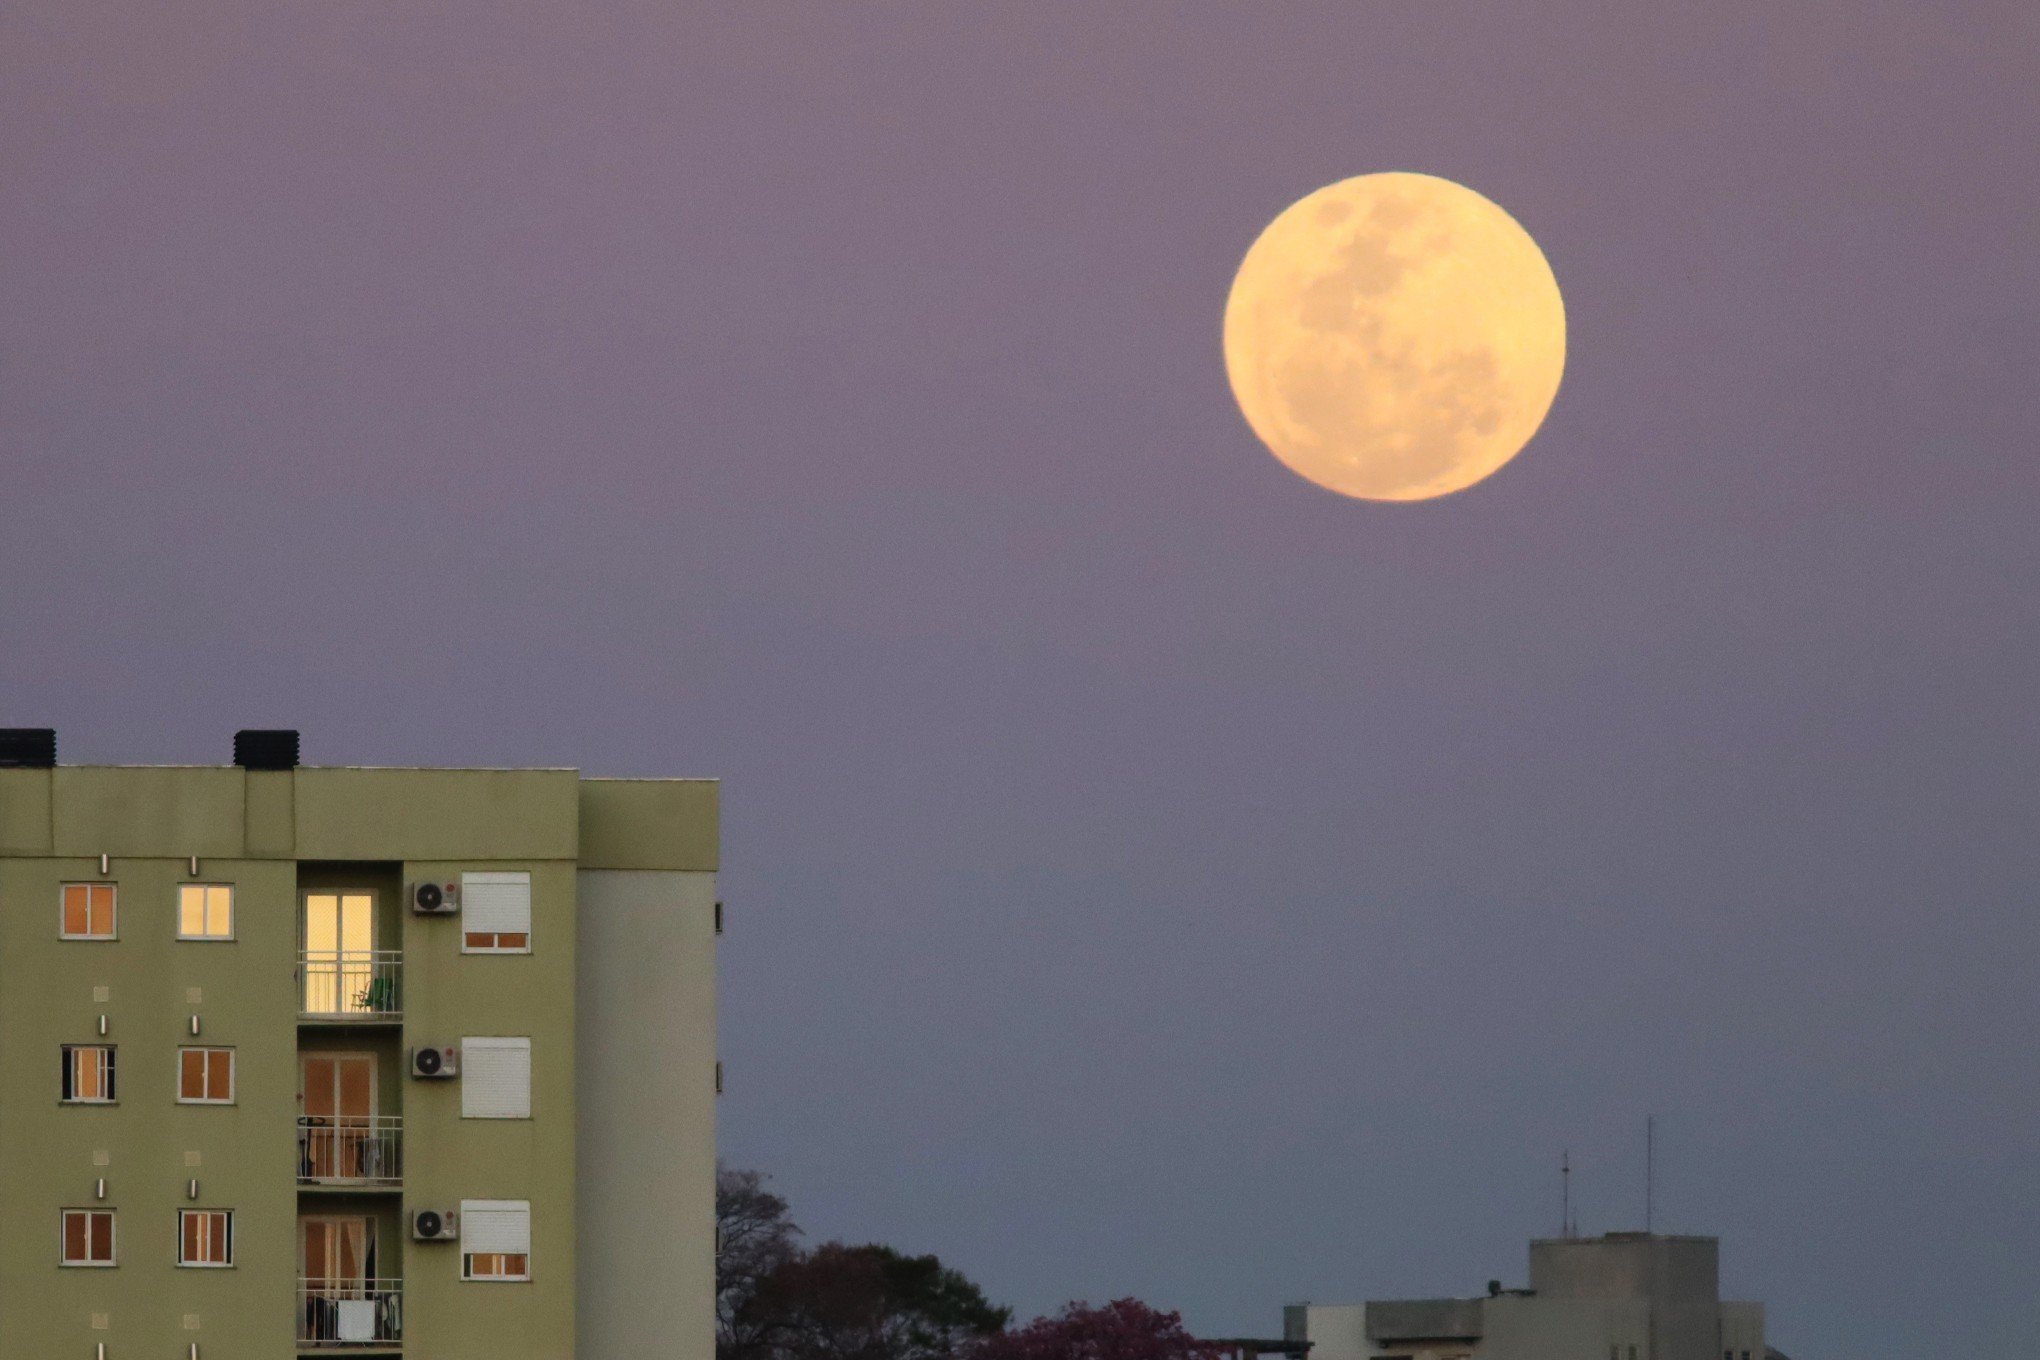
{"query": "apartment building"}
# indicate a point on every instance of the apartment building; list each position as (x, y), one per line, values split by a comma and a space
(1625, 1295)
(348, 1061)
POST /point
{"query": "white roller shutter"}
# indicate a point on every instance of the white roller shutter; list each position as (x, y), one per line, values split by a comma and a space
(496, 903)
(495, 1078)
(495, 1225)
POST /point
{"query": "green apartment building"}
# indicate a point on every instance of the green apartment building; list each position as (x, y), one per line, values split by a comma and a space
(343, 1061)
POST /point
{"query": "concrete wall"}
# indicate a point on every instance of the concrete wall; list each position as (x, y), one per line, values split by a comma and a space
(1337, 1331)
(1626, 1266)
(147, 1147)
(647, 1101)
(1561, 1329)
(450, 996)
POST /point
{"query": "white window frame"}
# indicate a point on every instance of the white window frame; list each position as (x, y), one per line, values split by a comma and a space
(206, 913)
(470, 881)
(233, 1075)
(64, 890)
(109, 1073)
(476, 1211)
(209, 1214)
(64, 1239)
(469, 1087)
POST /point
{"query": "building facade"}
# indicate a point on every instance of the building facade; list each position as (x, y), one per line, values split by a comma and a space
(1625, 1296)
(345, 1061)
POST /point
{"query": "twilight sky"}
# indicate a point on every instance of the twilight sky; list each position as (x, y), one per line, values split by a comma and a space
(1148, 873)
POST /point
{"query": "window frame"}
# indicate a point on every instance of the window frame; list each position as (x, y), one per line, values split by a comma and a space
(226, 1218)
(67, 1077)
(64, 1260)
(63, 910)
(205, 912)
(493, 1043)
(469, 1275)
(473, 1210)
(233, 1075)
(494, 878)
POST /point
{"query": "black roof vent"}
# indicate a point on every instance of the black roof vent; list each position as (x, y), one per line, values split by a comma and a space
(266, 748)
(28, 748)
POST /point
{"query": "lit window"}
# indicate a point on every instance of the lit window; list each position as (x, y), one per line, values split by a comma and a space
(88, 1237)
(495, 913)
(88, 912)
(205, 911)
(495, 1239)
(205, 1076)
(205, 1237)
(88, 1074)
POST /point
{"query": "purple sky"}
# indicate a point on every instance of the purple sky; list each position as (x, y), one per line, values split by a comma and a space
(1148, 873)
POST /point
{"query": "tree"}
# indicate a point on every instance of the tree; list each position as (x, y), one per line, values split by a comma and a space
(870, 1302)
(1124, 1329)
(774, 1301)
(754, 1238)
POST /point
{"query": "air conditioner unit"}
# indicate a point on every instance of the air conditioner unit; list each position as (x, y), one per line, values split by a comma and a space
(435, 1225)
(435, 899)
(435, 1062)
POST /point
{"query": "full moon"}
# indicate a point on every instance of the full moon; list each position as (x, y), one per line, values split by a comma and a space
(1394, 337)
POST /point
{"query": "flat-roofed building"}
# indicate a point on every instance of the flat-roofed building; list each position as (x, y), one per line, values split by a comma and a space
(348, 1061)
(1625, 1296)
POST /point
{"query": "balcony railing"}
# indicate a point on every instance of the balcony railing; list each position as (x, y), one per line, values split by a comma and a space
(350, 1313)
(342, 1149)
(351, 984)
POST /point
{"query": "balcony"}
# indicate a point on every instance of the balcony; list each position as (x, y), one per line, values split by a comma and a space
(336, 984)
(350, 1152)
(355, 1314)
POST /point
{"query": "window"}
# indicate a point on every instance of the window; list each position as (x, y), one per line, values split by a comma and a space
(88, 1074)
(495, 1237)
(88, 1237)
(496, 913)
(495, 1078)
(205, 1076)
(205, 911)
(205, 1237)
(87, 912)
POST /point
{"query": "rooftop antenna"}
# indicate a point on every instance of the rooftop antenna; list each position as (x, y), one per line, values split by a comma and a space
(1565, 1223)
(1649, 1169)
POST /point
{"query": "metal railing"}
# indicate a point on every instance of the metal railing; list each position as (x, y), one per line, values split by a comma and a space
(347, 1149)
(350, 1312)
(350, 983)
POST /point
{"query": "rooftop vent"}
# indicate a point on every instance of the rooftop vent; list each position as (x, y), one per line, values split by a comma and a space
(263, 748)
(28, 748)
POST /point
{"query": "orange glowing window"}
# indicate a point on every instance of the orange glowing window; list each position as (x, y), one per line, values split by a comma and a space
(88, 1074)
(88, 911)
(205, 1237)
(205, 911)
(88, 1237)
(205, 1076)
(497, 1265)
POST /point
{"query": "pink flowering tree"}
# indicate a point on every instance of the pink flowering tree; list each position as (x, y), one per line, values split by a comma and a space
(1125, 1329)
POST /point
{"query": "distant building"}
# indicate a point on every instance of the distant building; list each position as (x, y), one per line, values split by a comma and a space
(1626, 1296)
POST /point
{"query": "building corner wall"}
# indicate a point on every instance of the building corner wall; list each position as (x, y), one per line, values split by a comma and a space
(645, 1108)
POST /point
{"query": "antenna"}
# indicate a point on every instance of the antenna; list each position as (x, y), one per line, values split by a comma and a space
(1565, 1223)
(1649, 1169)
